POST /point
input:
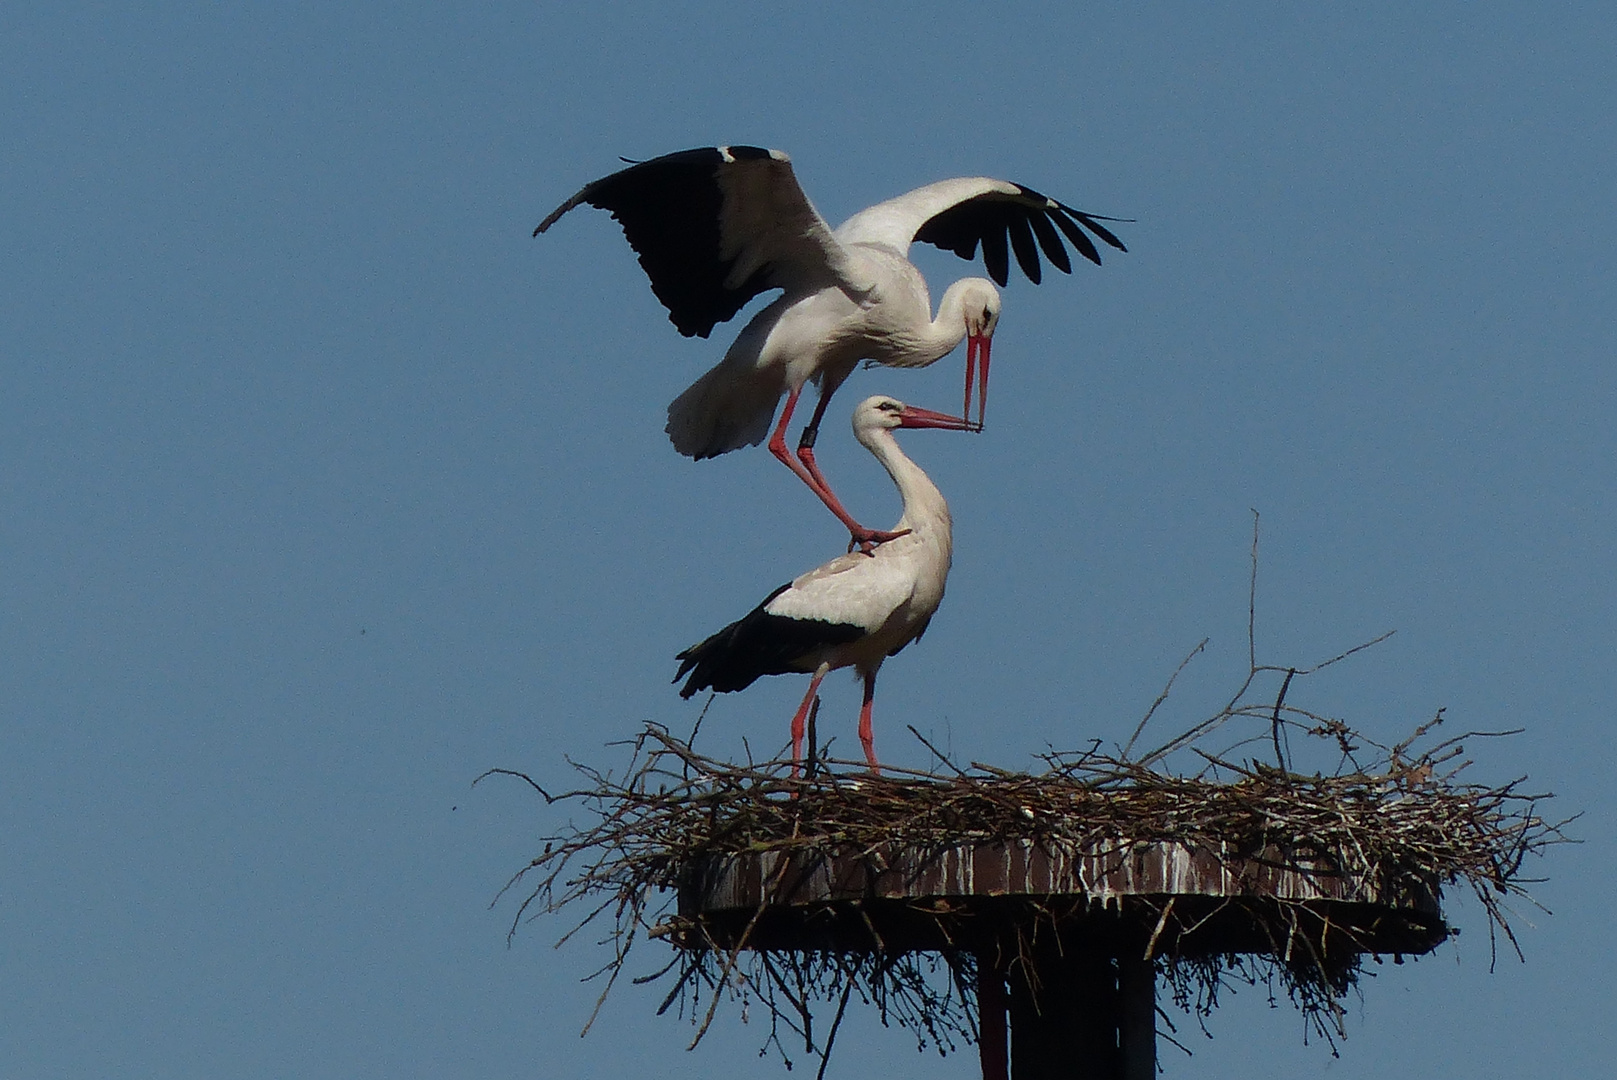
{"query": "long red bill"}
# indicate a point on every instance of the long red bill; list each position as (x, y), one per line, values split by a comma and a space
(982, 383)
(915, 417)
(971, 370)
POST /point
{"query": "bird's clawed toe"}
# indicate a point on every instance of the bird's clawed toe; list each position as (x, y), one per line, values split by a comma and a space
(867, 540)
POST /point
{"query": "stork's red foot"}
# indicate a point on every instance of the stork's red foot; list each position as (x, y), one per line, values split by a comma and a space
(867, 540)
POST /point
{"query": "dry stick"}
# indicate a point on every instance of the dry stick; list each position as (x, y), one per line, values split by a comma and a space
(1401, 748)
(836, 1022)
(936, 753)
(1341, 655)
(706, 705)
(548, 797)
(1280, 757)
(798, 1000)
(611, 980)
(729, 962)
(1252, 599)
(1162, 697)
(1151, 945)
(1233, 707)
(1253, 667)
(1176, 1042)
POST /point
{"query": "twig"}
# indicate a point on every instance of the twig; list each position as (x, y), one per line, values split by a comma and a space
(1202, 644)
(936, 753)
(836, 1023)
(1280, 699)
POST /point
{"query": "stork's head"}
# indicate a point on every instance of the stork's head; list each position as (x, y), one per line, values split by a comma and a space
(980, 303)
(885, 413)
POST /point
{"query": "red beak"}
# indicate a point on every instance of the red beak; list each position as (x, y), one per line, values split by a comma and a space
(977, 343)
(913, 417)
(982, 381)
(971, 370)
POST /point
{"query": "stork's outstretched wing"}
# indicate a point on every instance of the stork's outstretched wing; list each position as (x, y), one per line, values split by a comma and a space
(715, 227)
(958, 215)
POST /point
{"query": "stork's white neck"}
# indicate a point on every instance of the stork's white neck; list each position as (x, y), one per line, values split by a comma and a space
(925, 511)
(949, 328)
(937, 339)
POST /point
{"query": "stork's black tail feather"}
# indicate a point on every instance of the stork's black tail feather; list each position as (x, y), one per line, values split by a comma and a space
(701, 660)
(757, 644)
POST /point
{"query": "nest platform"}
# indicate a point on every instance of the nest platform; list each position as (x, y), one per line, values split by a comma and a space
(1037, 914)
(1179, 899)
(1065, 937)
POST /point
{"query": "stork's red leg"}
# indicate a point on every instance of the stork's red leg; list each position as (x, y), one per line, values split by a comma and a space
(809, 472)
(828, 386)
(777, 446)
(865, 538)
(800, 718)
(867, 735)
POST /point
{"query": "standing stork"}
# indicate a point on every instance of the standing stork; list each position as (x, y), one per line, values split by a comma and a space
(717, 226)
(856, 610)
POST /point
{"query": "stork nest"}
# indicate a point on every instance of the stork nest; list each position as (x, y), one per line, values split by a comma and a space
(1401, 816)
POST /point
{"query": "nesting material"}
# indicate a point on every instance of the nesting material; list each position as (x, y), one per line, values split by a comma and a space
(850, 882)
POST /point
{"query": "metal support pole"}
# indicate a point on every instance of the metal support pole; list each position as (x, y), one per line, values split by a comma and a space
(992, 1032)
(1081, 1011)
(1064, 1014)
(1137, 995)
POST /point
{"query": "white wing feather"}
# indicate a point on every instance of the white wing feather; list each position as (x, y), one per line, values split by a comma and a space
(853, 589)
(895, 222)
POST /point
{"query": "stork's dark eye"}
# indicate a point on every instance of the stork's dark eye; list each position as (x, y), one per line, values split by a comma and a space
(888, 406)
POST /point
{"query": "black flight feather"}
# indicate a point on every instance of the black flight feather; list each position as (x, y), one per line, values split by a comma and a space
(996, 259)
(1027, 256)
(757, 644)
(1085, 246)
(669, 209)
(1054, 249)
(1004, 223)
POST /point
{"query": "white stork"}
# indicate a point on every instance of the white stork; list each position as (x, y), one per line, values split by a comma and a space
(717, 226)
(857, 609)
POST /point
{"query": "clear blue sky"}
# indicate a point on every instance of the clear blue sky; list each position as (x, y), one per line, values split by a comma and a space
(324, 487)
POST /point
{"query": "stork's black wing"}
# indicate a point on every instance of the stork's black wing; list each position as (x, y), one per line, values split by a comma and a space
(715, 227)
(757, 644)
(962, 214)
